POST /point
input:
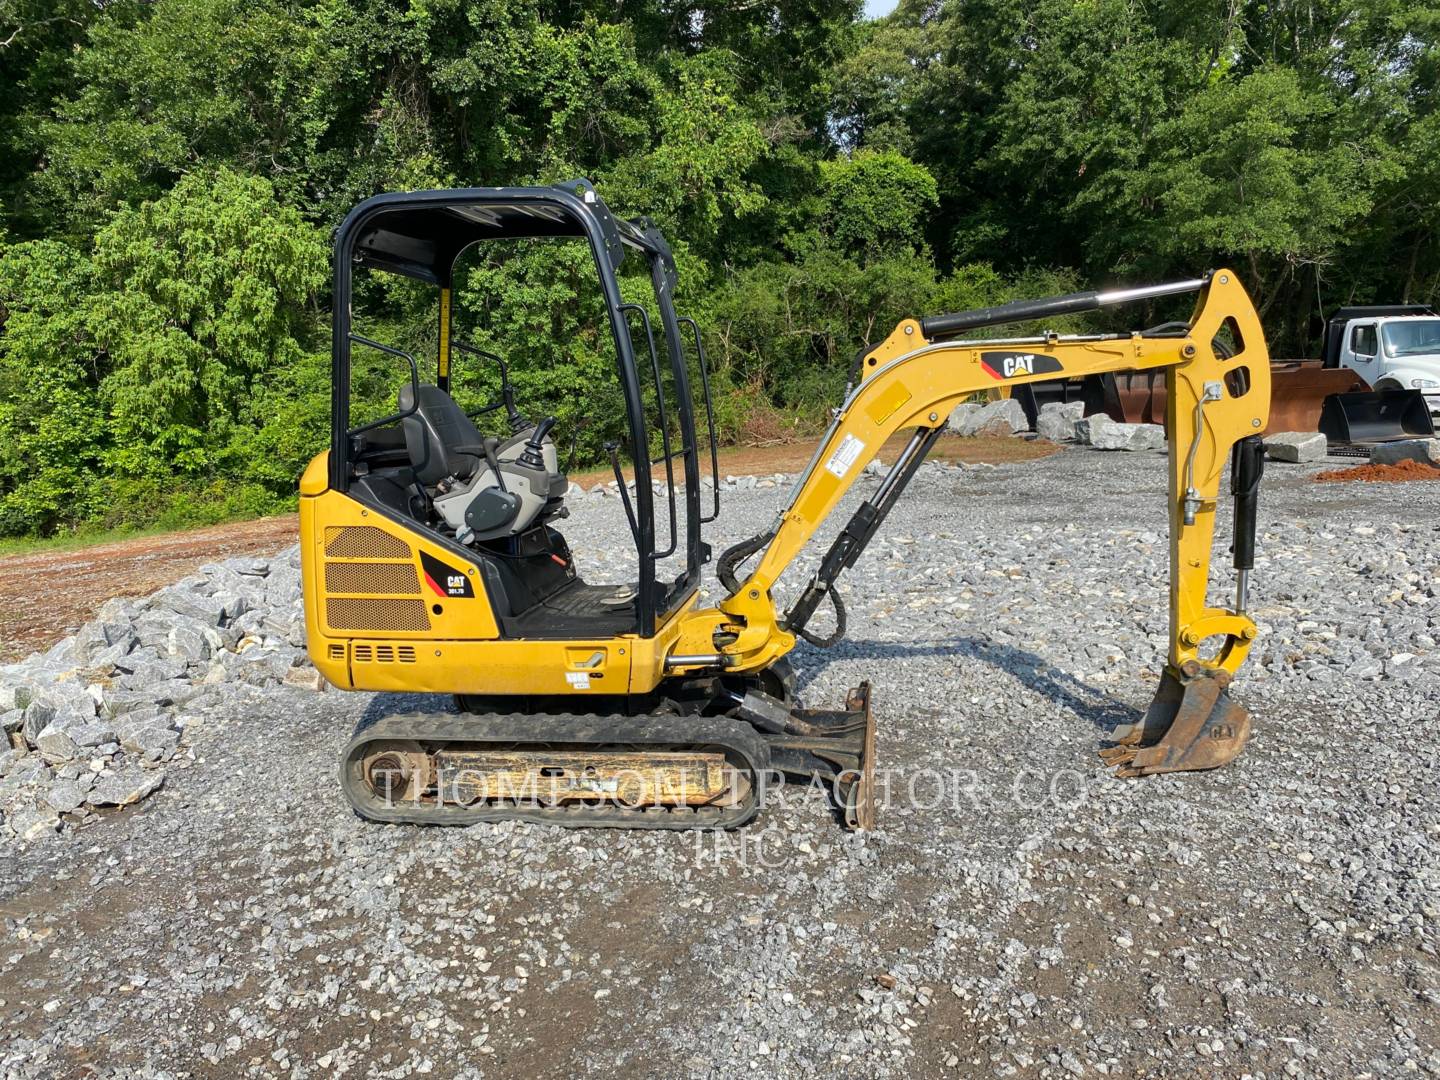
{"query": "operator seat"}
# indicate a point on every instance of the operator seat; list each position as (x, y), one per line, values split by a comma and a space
(433, 430)
(484, 488)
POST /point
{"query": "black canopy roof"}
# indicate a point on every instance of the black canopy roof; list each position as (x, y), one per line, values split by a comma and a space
(420, 234)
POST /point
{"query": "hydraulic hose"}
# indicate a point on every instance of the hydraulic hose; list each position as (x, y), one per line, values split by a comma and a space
(834, 637)
(728, 564)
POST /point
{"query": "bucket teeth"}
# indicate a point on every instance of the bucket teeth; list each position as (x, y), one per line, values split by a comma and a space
(1191, 725)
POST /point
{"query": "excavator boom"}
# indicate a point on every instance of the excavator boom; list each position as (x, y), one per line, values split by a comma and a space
(1217, 404)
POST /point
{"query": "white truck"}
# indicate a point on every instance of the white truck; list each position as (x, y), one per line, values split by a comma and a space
(1391, 347)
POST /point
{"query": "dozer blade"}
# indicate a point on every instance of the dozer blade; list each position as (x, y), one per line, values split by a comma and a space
(835, 745)
(1191, 725)
(850, 751)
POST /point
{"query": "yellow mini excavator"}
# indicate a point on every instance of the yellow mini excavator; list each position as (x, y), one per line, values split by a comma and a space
(432, 562)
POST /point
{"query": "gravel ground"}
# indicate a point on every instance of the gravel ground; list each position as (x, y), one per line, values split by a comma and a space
(1030, 917)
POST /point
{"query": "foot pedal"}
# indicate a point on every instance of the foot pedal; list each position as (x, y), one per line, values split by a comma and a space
(1191, 725)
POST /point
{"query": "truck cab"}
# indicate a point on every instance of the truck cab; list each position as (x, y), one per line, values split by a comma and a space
(1392, 347)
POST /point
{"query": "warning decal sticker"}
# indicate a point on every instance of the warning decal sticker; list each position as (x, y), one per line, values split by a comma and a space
(844, 456)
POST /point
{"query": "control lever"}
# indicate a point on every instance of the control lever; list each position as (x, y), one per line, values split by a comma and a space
(613, 449)
(485, 450)
(533, 455)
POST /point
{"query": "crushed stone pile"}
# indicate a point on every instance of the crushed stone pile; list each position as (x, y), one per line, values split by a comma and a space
(95, 721)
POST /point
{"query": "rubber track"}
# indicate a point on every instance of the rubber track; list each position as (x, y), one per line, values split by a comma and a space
(735, 736)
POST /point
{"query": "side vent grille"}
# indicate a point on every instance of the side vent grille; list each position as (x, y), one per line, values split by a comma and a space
(363, 542)
(349, 613)
(383, 578)
(384, 654)
(336, 652)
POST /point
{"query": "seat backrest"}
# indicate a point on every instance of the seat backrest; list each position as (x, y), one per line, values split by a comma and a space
(432, 430)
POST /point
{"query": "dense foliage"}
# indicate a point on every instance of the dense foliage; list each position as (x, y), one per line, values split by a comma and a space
(170, 171)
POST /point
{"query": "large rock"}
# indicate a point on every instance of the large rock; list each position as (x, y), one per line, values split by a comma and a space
(263, 667)
(65, 796)
(68, 699)
(14, 694)
(56, 745)
(118, 702)
(125, 786)
(28, 771)
(959, 415)
(36, 718)
(103, 643)
(141, 676)
(69, 735)
(188, 643)
(33, 822)
(155, 735)
(1296, 446)
(1004, 417)
(120, 609)
(1057, 420)
(305, 678)
(187, 601)
(1087, 427)
(1099, 431)
(1425, 451)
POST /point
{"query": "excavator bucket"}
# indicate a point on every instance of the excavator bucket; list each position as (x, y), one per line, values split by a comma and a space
(1378, 416)
(1299, 389)
(1191, 725)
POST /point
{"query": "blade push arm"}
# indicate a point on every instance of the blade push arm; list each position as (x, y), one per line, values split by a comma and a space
(913, 380)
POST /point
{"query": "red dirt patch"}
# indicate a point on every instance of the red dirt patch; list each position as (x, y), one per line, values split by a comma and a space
(1404, 470)
(47, 595)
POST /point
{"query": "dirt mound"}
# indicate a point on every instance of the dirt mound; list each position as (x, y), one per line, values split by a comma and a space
(1404, 470)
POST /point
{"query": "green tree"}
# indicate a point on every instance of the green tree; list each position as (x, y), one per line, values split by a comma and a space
(876, 203)
(51, 418)
(1238, 176)
(202, 295)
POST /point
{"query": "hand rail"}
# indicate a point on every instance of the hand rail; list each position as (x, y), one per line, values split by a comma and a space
(507, 392)
(357, 339)
(709, 417)
(664, 429)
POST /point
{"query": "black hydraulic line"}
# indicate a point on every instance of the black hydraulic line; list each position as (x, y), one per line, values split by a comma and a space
(836, 635)
(728, 566)
(1069, 304)
(854, 538)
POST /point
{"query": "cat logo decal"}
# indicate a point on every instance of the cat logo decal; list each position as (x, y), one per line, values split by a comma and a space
(1014, 365)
